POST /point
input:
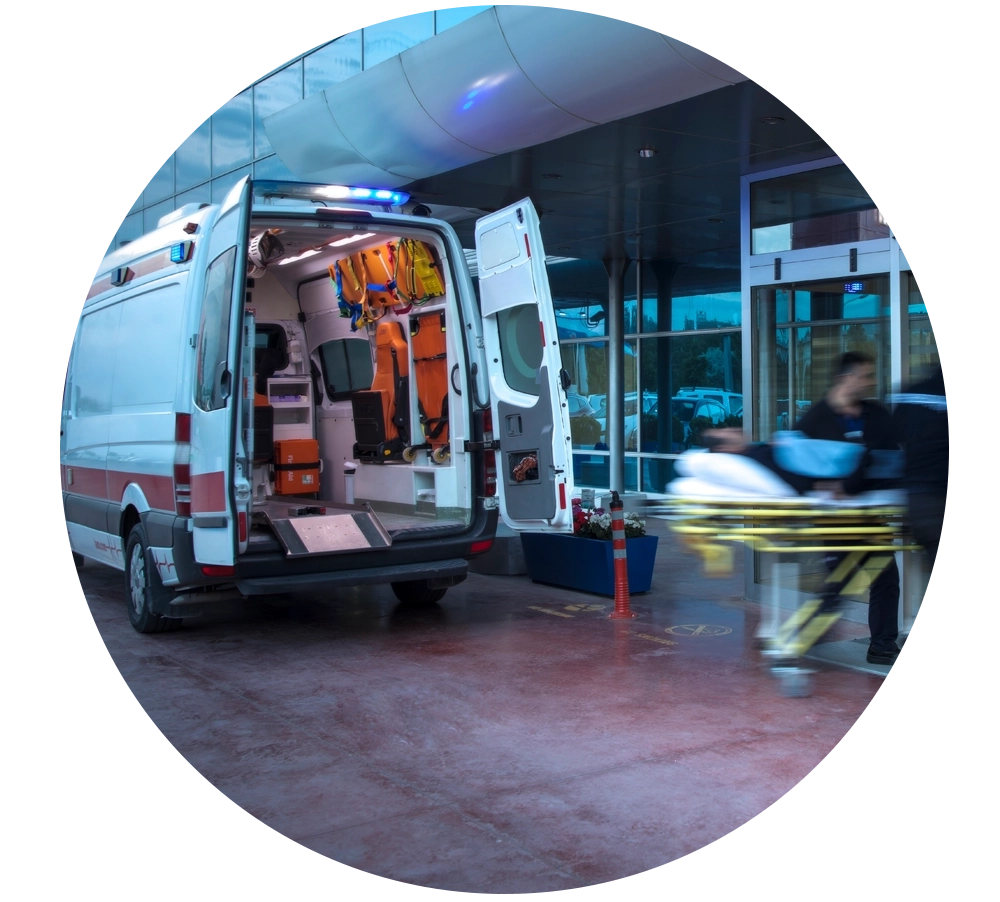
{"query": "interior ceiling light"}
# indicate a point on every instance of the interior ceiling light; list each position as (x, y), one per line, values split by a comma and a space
(350, 239)
(647, 152)
(551, 175)
(771, 120)
(309, 253)
(714, 219)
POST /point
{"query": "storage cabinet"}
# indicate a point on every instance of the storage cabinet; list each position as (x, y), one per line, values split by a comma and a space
(291, 399)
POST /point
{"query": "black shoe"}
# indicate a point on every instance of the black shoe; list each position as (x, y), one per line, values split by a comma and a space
(881, 657)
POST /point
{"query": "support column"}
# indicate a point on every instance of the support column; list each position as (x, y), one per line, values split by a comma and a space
(661, 470)
(615, 422)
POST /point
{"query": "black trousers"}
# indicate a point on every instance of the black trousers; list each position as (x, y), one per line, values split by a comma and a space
(883, 604)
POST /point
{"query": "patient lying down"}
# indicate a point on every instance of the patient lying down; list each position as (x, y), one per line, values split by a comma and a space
(786, 468)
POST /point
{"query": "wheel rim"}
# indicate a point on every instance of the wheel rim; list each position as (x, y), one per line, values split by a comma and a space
(137, 579)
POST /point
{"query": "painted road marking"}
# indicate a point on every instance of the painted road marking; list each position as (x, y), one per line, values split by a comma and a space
(655, 639)
(585, 607)
(698, 629)
(532, 607)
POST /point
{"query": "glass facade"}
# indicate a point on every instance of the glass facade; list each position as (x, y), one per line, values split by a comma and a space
(683, 366)
(233, 143)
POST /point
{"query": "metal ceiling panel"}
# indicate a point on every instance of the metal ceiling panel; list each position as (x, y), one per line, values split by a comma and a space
(310, 143)
(602, 69)
(378, 113)
(469, 82)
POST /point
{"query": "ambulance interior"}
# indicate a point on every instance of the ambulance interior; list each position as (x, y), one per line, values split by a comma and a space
(360, 388)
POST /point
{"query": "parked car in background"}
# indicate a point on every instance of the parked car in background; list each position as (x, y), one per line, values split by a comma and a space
(732, 402)
(688, 417)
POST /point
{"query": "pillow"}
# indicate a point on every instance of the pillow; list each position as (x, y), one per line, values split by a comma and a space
(695, 487)
(733, 472)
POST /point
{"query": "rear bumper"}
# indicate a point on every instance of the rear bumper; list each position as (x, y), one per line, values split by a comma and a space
(440, 574)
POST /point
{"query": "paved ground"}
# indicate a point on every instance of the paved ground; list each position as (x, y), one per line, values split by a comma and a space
(498, 743)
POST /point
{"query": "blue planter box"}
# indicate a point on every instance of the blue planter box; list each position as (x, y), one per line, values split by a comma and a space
(587, 565)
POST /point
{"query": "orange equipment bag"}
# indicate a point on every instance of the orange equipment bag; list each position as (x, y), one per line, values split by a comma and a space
(296, 466)
(428, 338)
(418, 272)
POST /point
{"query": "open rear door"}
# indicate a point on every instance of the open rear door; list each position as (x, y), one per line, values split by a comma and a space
(530, 415)
(220, 486)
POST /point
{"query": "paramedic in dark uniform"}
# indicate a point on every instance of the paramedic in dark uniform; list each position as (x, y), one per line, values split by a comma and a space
(846, 414)
(920, 418)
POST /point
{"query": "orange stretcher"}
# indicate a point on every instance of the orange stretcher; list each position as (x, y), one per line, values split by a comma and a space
(428, 343)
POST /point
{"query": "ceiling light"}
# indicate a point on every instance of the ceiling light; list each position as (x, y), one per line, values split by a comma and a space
(771, 120)
(301, 256)
(647, 152)
(714, 219)
(350, 239)
(551, 175)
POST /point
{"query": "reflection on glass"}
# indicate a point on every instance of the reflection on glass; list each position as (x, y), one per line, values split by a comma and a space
(817, 208)
(594, 469)
(232, 134)
(129, 230)
(688, 313)
(866, 297)
(272, 168)
(796, 365)
(151, 215)
(161, 185)
(923, 345)
(221, 186)
(333, 63)
(193, 159)
(690, 383)
(387, 39)
(200, 195)
(587, 396)
(274, 93)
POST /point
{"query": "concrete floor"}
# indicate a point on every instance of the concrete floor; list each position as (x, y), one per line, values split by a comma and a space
(502, 742)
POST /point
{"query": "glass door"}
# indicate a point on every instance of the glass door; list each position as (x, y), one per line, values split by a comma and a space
(802, 330)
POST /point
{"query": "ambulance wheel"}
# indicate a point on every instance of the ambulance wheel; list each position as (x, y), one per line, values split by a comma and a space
(77, 560)
(143, 589)
(417, 593)
(440, 455)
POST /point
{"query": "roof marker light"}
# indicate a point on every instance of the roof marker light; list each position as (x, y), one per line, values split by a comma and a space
(181, 253)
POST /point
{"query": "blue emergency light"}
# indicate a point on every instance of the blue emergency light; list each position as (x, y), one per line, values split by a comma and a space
(181, 253)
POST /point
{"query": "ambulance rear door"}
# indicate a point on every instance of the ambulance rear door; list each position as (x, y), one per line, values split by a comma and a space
(220, 484)
(527, 386)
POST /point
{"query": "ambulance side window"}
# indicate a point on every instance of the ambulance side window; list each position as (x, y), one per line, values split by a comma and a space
(213, 333)
(347, 366)
(93, 367)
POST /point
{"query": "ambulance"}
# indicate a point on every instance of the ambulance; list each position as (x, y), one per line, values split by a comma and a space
(300, 389)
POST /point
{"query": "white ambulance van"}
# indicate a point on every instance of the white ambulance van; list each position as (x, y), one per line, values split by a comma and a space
(298, 390)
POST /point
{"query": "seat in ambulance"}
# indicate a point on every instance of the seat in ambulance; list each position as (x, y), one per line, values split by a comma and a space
(382, 415)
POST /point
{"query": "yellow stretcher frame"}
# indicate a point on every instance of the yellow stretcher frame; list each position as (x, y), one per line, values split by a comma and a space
(793, 525)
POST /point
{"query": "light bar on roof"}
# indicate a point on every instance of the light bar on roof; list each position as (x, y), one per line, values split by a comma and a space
(364, 195)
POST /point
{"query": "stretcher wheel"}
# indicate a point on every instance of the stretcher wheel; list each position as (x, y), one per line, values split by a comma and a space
(409, 455)
(794, 682)
(440, 455)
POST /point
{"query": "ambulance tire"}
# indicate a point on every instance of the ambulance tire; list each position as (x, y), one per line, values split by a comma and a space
(143, 589)
(416, 593)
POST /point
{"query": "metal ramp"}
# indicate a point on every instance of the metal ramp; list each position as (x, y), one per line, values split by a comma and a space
(305, 527)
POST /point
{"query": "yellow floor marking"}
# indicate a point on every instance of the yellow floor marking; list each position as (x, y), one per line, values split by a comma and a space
(532, 607)
(656, 639)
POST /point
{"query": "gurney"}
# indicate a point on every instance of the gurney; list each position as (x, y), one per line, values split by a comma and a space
(723, 501)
